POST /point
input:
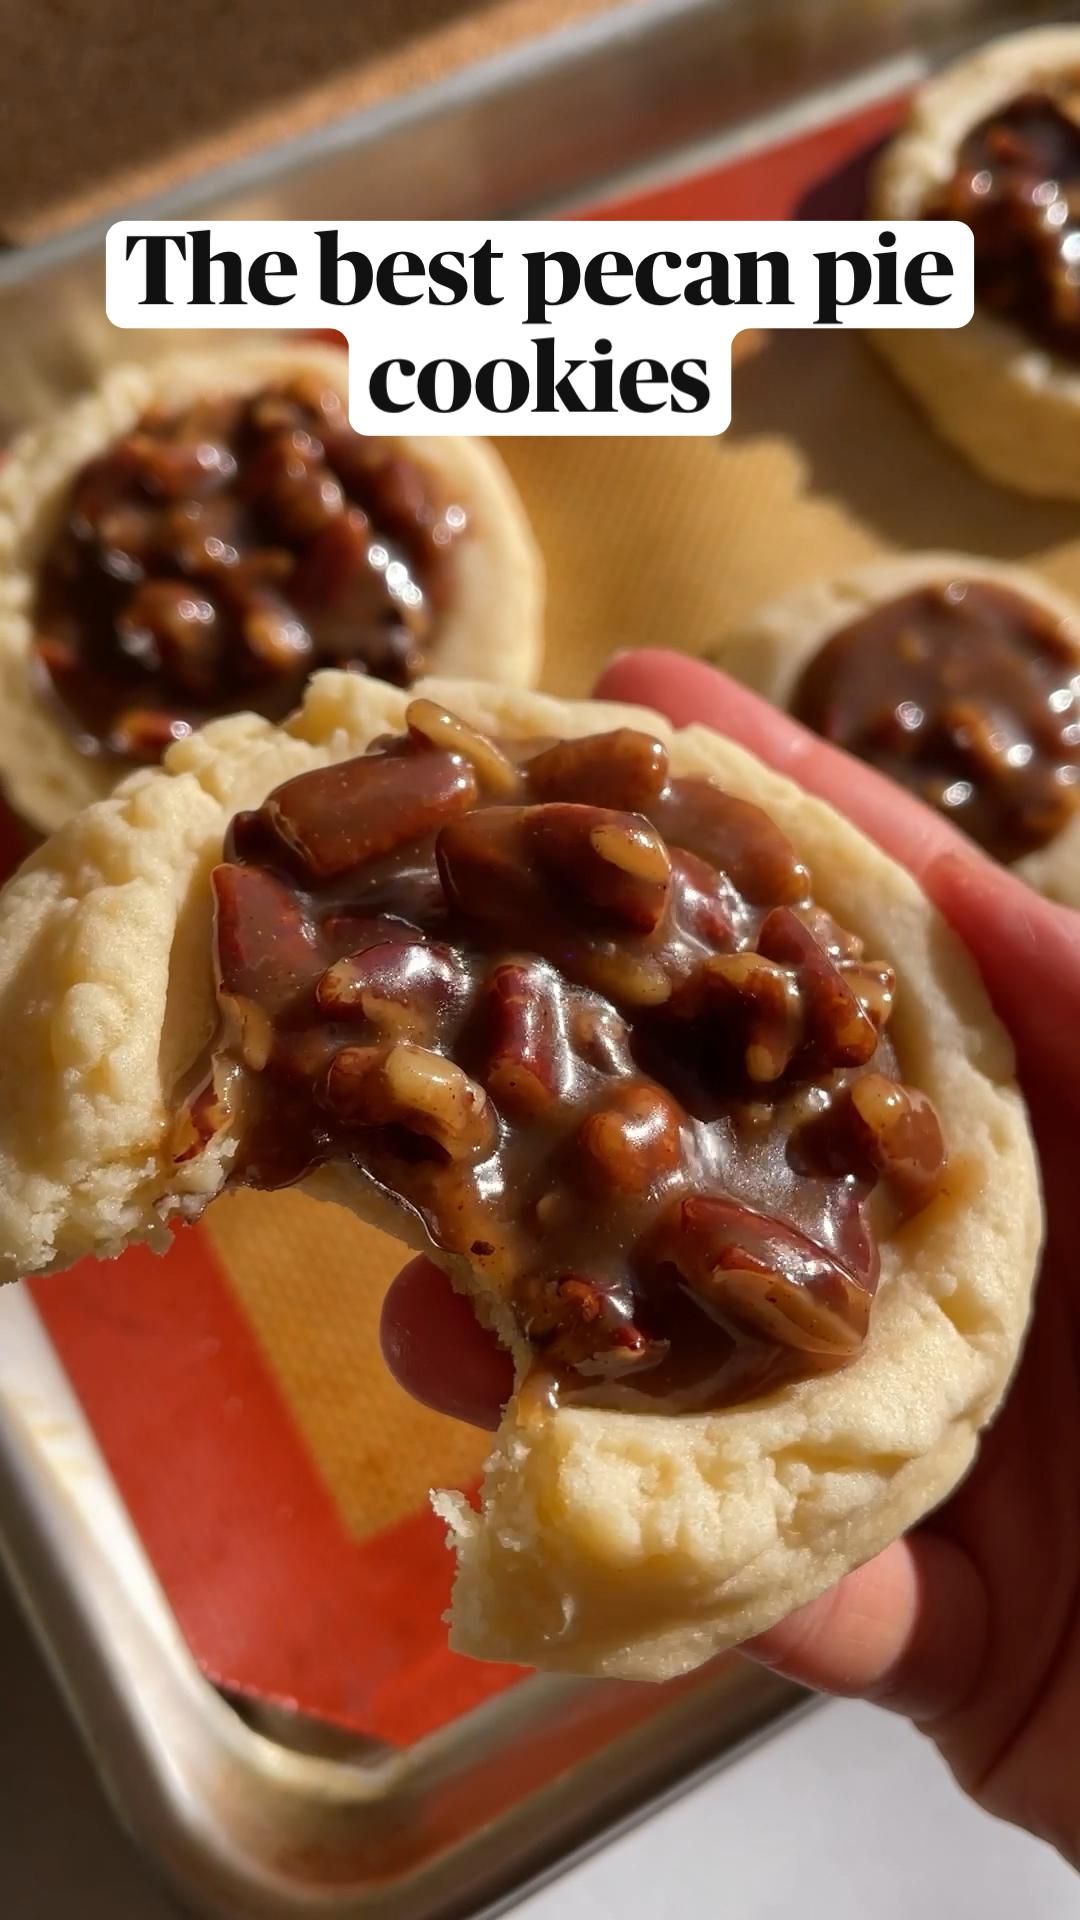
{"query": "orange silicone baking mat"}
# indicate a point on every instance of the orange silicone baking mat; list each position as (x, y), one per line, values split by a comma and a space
(276, 1474)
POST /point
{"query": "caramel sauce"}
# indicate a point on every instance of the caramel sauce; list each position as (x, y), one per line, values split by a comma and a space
(967, 694)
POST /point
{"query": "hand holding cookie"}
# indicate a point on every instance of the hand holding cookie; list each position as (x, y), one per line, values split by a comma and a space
(969, 1625)
(679, 1078)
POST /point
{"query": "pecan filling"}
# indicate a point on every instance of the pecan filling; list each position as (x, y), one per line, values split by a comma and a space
(1017, 186)
(212, 559)
(968, 694)
(587, 1022)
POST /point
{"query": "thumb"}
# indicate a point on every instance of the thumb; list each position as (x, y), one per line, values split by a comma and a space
(907, 1631)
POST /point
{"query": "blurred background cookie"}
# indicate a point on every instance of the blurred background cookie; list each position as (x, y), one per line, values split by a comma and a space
(994, 141)
(957, 677)
(199, 535)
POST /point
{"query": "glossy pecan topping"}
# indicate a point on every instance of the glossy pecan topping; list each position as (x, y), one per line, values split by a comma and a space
(211, 559)
(614, 1054)
(967, 693)
(1017, 186)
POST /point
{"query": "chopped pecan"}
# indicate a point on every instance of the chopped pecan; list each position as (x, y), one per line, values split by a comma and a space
(623, 769)
(839, 1028)
(174, 469)
(249, 1031)
(763, 1000)
(276, 411)
(198, 536)
(354, 1088)
(838, 942)
(206, 1113)
(486, 872)
(302, 403)
(436, 727)
(172, 628)
(345, 815)
(402, 1085)
(275, 638)
(522, 1017)
(616, 863)
(632, 980)
(738, 839)
(974, 737)
(404, 988)
(399, 490)
(128, 534)
(709, 905)
(574, 1322)
(352, 930)
(144, 733)
(404, 502)
(874, 988)
(265, 945)
(513, 867)
(631, 1143)
(333, 562)
(289, 481)
(761, 1277)
(899, 1132)
(599, 1037)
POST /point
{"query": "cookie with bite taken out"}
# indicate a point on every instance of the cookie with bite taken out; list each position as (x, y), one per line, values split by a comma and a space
(682, 1081)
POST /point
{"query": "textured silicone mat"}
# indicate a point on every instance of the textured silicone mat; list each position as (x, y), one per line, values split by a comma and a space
(274, 1471)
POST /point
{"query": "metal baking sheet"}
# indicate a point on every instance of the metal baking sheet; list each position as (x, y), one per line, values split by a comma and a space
(651, 88)
(245, 1825)
(248, 1809)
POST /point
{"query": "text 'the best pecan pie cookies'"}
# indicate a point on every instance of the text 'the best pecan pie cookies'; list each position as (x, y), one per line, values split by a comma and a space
(201, 534)
(679, 1078)
(957, 677)
(994, 141)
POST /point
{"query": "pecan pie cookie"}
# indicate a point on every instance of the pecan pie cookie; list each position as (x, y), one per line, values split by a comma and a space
(201, 534)
(678, 1077)
(957, 677)
(994, 141)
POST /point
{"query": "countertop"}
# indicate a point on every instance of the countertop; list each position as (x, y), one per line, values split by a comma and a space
(138, 96)
(847, 1813)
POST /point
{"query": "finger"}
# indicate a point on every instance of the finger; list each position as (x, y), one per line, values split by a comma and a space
(907, 1631)
(437, 1350)
(1028, 952)
(688, 690)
